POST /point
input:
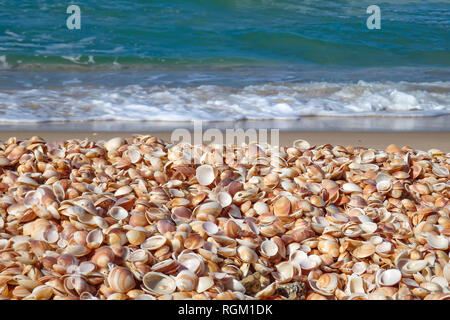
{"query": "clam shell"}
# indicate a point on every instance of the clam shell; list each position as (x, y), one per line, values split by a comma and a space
(205, 175)
(364, 251)
(350, 187)
(204, 283)
(118, 213)
(192, 262)
(94, 238)
(325, 285)
(247, 254)
(301, 144)
(158, 283)
(285, 272)
(186, 280)
(437, 241)
(388, 277)
(269, 248)
(413, 266)
(210, 228)
(121, 280)
(224, 198)
(154, 243)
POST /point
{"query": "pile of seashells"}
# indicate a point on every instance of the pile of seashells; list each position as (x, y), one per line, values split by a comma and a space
(135, 219)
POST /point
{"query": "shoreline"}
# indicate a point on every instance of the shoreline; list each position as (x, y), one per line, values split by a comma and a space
(377, 140)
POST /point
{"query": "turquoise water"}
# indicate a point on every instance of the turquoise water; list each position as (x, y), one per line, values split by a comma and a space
(205, 32)
(222, 60)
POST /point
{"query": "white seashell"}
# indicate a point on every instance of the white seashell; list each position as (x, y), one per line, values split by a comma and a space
(313, 261)
(261, 207)
(154, 243)
(158, 283)
(94, 238)
(247, 254)
(269, 248)
(118, 213)
(192, 262)
(359, 267)
(285, 271)
(204, 283)
(186, 280)
(224, 198)
(388, 277)
(350, 187)
(114, 143)
(205, 175)
(368, 227)
(301, 144)
(446, 272)
(414, 266)
(437, 242)
(355, 285)
(210, 228)
(440, 171)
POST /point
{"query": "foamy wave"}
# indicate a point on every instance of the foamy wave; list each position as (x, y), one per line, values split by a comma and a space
(214, 103)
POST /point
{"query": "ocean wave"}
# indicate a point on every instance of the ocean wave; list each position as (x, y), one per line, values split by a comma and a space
(267, 101)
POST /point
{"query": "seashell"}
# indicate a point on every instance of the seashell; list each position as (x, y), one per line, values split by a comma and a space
(247, 254)
(209, 208)
(269, 248)
(329, 247)
(359, 268)
(186, 280)
(210, 228)
(166, 266)
(114, 144)
(325, 285)
(312, 262)
(437, 241)
(431, 286)
(364, 251)
(158, 283)
(388, 277)
(282, 207)
(349, 187)
(136, 237)
(301, 144)
(192, 262)
(285, 272)
(205, 175)
(204, 283)
(121, 280)
(231, 229)
(261, 207)
(122, 191)
(440, 171)
(224, 198)
(42, 292)
(413, 266)
(103, 256)
(446, 272)
(368, 227)
(154, 243)
(118, 213)
(355, 285)
(193, 242)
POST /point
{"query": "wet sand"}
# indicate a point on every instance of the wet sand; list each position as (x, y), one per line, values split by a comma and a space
(378, 140)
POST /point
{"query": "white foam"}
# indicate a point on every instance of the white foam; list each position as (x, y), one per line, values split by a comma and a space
(211, 103)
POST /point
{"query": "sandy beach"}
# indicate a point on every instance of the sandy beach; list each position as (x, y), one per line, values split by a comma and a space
(378, 140)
